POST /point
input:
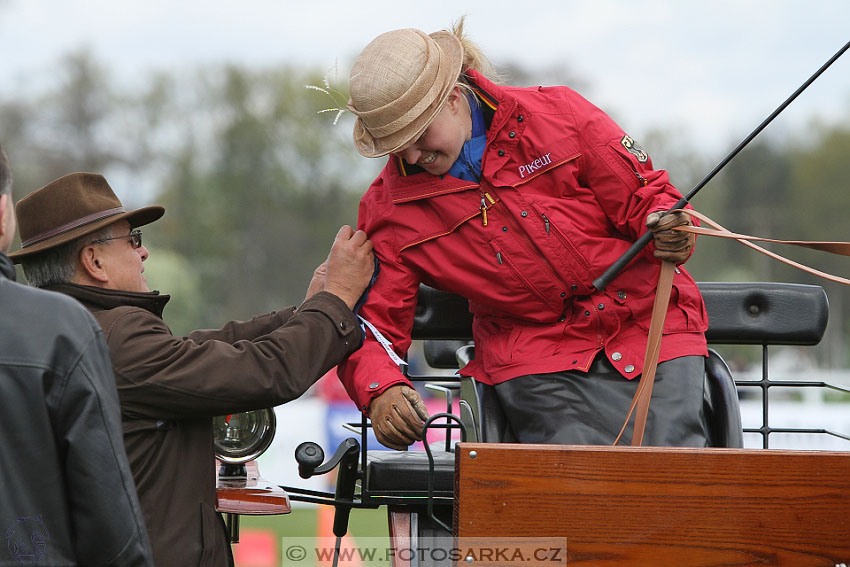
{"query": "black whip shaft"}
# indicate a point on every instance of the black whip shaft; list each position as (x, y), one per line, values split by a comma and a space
(602, 281)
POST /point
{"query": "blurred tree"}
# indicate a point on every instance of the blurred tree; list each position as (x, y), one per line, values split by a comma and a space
(755, 182)
(818, 208)
(66, 128)
(79, 122)
(258, 189)
(73, 129)
(820, 200)
(792, 190)
(173, 274)
(256, 183)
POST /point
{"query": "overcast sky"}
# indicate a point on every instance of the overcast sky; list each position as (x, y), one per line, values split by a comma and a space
(712, 70)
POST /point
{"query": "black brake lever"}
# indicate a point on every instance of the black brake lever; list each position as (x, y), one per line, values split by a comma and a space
(310, 456)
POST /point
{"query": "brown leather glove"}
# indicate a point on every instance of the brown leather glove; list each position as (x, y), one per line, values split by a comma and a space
(671, 245)
(398, 415)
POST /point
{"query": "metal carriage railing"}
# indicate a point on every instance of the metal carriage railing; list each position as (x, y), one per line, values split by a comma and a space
(761, 315)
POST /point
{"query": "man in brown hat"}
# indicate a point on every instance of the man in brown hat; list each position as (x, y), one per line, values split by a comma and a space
(77, 239)
(67, 496)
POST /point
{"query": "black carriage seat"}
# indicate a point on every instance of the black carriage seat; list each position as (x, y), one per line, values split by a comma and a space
(405, 473)
(739, 313)
(720, 404)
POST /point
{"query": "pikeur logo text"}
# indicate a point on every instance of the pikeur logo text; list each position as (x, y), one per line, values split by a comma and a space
(529, 168)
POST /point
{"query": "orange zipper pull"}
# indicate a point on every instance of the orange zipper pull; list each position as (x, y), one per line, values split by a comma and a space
(484, 206)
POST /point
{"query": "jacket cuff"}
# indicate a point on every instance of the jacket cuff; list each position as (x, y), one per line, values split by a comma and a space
(375, 388)
(345, 321)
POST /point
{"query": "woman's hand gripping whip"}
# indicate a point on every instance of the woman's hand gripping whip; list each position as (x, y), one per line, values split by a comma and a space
(615, 268)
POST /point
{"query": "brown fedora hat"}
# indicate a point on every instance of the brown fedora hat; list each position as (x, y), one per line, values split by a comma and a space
(68, 208)
(397, 86)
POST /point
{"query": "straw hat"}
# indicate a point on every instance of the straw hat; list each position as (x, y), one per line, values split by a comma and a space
(70, 207)
(398, 85)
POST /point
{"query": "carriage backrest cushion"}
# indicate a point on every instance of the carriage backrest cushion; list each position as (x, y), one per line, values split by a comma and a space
(738, 313)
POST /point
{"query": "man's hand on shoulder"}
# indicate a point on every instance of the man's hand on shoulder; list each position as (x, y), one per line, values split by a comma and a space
(317, 284)
(349, 265)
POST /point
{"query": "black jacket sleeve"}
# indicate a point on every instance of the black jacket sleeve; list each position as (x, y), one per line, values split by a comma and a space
(108, 525)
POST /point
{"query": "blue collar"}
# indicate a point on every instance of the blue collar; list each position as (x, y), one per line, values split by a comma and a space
(468, 164)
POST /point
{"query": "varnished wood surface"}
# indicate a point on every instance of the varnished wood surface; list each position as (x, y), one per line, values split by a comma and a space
(656, 507)
(252, 495)
(253, 501)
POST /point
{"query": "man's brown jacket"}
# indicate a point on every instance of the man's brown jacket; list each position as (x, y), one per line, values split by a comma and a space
(171, 387)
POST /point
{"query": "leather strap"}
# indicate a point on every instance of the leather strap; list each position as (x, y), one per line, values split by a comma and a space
(842, 248)
(643, 394)
(650, 362)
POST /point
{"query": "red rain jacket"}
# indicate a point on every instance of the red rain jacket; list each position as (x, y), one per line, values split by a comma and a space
(563, 193)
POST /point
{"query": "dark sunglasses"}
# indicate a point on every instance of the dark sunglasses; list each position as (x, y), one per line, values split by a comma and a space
(135, 239)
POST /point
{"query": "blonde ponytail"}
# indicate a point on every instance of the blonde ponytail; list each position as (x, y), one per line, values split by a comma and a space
(473, 57)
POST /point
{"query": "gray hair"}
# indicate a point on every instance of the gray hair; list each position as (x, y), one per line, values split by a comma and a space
(59, 265)
(5, 173)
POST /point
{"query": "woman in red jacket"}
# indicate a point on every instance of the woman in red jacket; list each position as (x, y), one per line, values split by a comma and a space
(517, 198)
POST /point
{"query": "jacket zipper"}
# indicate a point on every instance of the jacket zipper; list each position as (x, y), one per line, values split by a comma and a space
(565, 242)
(484, 198)
(641, 179)
(531, 251)
(506, 259)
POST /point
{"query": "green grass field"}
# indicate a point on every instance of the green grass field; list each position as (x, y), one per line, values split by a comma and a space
(264, 540)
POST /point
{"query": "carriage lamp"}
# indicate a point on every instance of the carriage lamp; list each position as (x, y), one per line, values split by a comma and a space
(238, 439)
(242, 437)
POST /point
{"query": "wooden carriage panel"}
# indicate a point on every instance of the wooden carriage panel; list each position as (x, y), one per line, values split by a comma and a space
(643, 506)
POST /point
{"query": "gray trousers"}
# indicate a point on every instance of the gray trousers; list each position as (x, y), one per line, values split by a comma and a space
(589, 408)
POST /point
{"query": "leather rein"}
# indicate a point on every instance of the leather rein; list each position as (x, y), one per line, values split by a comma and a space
(643, 394)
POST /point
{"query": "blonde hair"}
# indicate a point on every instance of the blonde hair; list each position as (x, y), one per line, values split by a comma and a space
(473, 56)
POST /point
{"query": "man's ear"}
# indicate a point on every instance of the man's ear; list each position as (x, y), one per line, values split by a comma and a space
(91, 267)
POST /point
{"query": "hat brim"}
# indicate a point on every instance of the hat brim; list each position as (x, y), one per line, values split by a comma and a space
(139, 217)
(369, 146)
